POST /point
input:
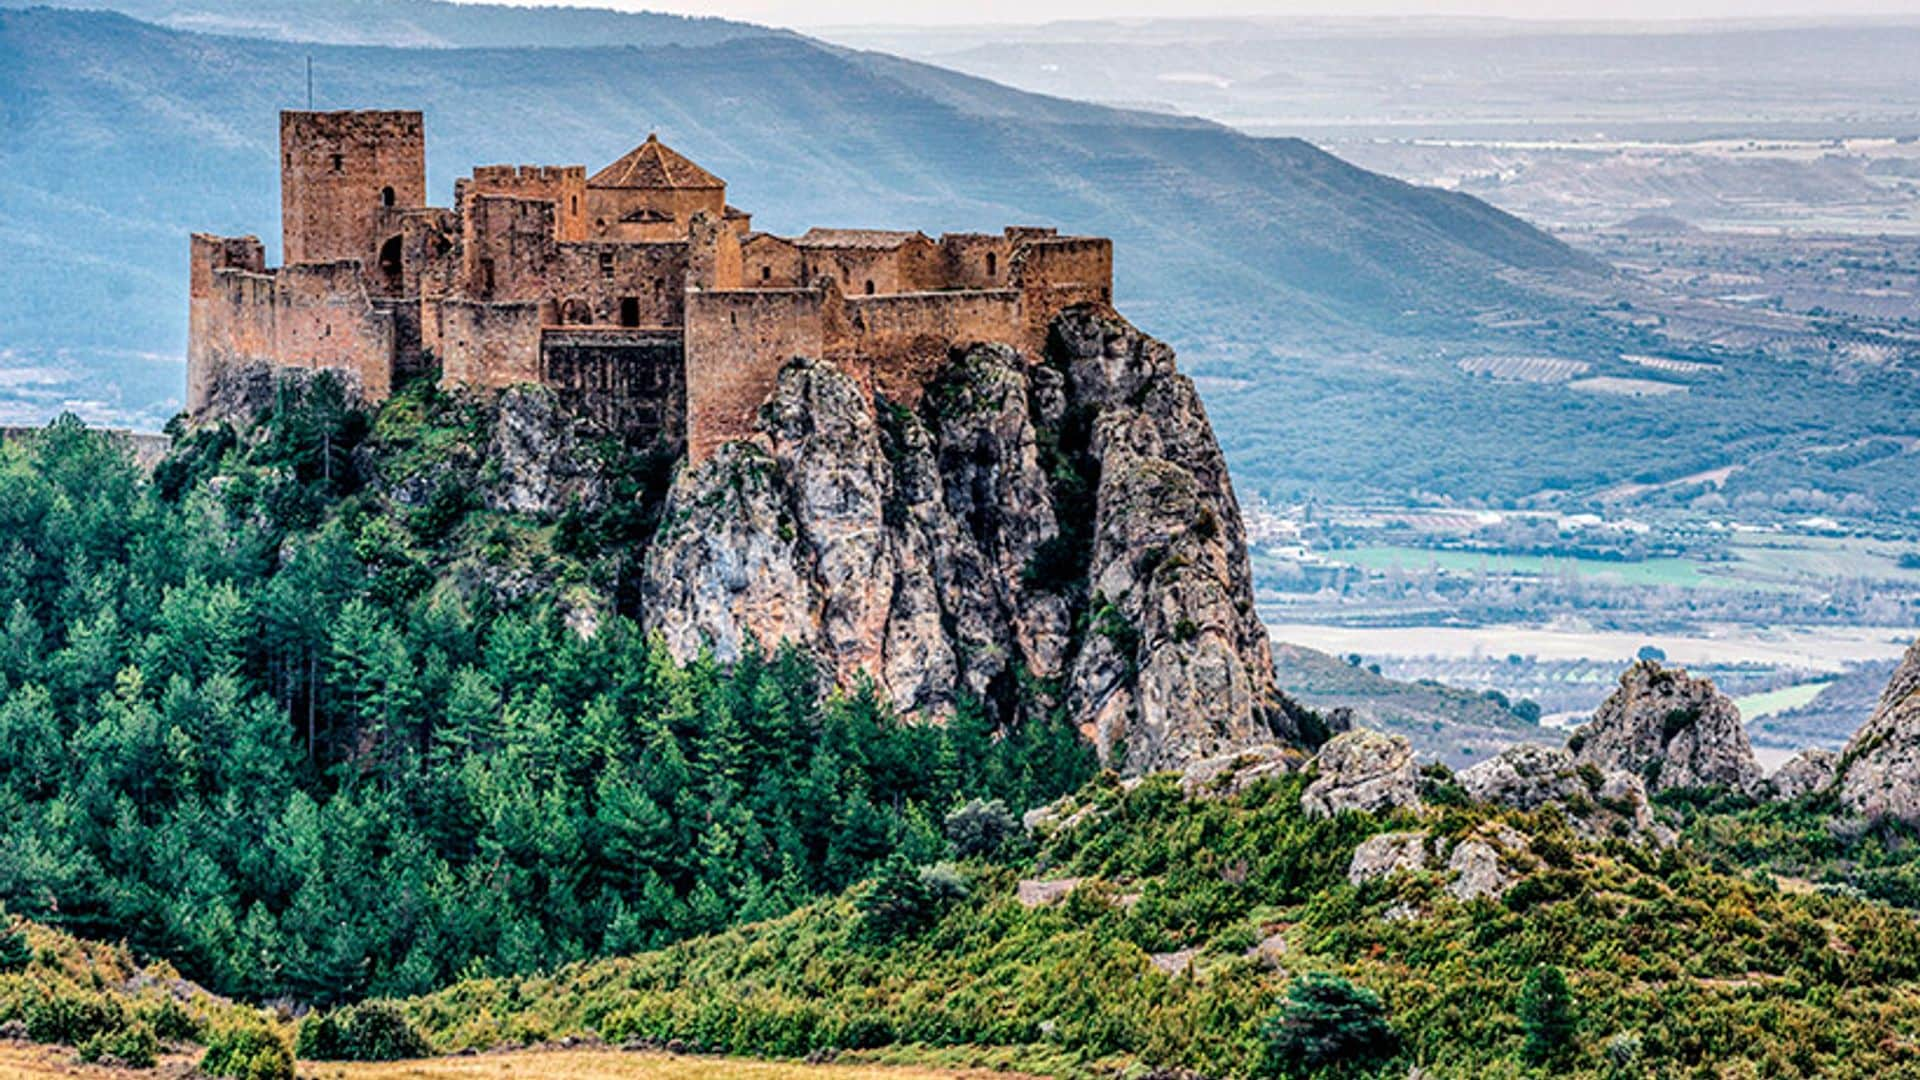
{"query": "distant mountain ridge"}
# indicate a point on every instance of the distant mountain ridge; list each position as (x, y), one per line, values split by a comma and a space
(121, 137)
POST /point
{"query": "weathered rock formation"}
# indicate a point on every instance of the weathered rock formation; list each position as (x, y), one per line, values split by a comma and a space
(1672, 730)
(1488, 863)
(1879, 772)
(1365, 771)
(1805, 773)
(1063, 530)
(1386, 854)
(1597, 802)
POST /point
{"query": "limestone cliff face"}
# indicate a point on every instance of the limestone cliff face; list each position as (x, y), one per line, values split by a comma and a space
(1030, 534)
(1879, 772)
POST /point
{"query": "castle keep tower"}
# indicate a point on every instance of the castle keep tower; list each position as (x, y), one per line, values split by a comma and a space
(342, 177)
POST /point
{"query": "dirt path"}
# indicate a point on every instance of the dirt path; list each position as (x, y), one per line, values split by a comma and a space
(26, 1061)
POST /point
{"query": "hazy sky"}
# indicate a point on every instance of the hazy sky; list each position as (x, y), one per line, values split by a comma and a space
(842, 12)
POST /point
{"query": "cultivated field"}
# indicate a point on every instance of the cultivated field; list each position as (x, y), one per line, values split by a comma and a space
(1613, 384)
(1533, 369)
(1671, 366)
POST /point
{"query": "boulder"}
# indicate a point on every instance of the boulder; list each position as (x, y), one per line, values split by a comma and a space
(1387, 854)
(1880, 772)
(1034, 892)
(1365, 771)
(1486, 864)
(1806, 773)
(1672, 730)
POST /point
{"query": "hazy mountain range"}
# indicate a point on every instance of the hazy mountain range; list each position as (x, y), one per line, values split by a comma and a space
(122, 136)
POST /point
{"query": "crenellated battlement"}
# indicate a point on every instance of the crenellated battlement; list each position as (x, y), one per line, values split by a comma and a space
(637, 292)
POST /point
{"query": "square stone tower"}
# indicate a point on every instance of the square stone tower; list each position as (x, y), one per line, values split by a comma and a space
(343, 177)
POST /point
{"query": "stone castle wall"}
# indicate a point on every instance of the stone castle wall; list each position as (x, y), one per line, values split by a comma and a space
(661, 215)
(628, 381)
(900, 341)
(488, 345)
(736, 343)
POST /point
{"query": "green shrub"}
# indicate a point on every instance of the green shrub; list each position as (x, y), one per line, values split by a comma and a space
(170, 1021)
(247, 1051)
(72, 1019)
(15, 953)
(1327, 1025)
(980, 827)
(372, 1031)
(133, 1046)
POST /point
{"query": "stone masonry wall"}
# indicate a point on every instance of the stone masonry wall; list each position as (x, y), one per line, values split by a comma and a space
(599, 283)
(323, 318)
(508, 247)
(736, 343)
(607, 207)
(631, 382)
(490, 345)
(900, 342)
(563, 185)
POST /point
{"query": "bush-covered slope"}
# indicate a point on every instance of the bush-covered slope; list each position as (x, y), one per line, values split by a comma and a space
(1195, 922)
(104, 1003)
(307, 716)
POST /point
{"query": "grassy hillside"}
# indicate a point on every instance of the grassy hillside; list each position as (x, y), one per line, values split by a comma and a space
(1218, 233)
(1194, 922)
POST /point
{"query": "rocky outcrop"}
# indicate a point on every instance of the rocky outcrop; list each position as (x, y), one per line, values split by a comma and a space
(1672, 730)
(1806, 773)
(1528, 777)
(1879, 772)
(1364, 771)
(1386, 854)
(1060, 532)
(1227, 775)
(1597, 802)
(537, 457)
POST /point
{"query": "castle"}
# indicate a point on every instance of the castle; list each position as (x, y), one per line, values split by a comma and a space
(637, 294)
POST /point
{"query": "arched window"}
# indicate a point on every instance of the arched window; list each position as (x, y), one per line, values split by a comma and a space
(386, 195)
(766, 273)
(574, 202)
(339, 162)
(993, 264)
(869, 286)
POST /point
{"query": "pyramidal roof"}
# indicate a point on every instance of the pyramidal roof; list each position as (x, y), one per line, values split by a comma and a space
(653, 164)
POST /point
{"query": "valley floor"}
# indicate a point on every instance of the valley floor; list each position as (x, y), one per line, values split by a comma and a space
(31, 1061)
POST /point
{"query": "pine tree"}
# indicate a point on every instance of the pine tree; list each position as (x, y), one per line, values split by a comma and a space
(1546, 1014)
